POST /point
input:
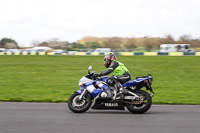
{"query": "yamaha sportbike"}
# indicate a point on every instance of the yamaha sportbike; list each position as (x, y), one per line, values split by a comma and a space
(96, 93)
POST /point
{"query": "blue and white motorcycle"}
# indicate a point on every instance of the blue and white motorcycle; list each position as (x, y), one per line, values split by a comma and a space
(97, 94)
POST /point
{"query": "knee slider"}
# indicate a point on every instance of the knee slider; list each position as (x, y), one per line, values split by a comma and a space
(118, 85)
(110, 81)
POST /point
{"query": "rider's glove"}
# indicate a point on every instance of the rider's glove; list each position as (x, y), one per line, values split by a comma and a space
(98, 75)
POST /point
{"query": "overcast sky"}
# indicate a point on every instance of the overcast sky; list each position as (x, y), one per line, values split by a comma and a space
(70, 20)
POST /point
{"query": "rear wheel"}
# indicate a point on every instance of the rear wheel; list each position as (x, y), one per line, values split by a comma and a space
(142, 105)
(79, 106)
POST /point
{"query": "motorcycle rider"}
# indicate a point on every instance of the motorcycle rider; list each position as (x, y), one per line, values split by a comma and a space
(120, 73)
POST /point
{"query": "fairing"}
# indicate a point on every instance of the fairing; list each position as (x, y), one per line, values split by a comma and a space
(134, 82)
(105, 87)
(103, 79)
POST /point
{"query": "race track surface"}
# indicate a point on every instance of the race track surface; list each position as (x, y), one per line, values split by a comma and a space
(57, 118)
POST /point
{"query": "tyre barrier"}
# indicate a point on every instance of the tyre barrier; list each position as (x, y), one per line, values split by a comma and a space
(116, 53)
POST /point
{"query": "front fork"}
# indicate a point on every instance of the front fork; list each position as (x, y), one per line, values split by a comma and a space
(83, 94)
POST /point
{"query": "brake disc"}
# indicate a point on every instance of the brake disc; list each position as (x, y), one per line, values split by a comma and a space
(77, 102)
(141, 99)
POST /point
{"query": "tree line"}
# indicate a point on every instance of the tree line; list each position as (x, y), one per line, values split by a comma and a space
(116, 43)
(131, 43)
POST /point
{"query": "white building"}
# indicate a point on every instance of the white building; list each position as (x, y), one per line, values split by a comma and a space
(2, 49)
(174, 47)
(41, 49)
(101, 50)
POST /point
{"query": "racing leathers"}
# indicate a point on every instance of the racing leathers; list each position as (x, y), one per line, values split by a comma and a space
(120, 72)
(120, 75)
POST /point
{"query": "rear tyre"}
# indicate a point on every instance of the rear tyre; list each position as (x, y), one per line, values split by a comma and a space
(79, 106)
(144, 106)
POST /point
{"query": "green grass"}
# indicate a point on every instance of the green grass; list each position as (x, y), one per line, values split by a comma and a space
(47, 78)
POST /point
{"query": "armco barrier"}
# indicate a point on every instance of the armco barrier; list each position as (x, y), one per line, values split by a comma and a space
(50, 53)
(138, 53)
(94, 53)
(150, 53)
(197, 53)
(164, 53)
(33, 53)
(80, 53)
(127, 53)
(189, 53)
(102, 54)
(175, 54)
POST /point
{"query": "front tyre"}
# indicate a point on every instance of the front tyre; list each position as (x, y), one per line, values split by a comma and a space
(79, 106)
(137, 107)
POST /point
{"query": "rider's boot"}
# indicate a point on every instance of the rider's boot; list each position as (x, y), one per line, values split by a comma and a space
(114, 94)
(122, 92)
(118, 88)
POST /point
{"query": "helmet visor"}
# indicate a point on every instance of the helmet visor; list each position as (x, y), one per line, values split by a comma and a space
(106, 63)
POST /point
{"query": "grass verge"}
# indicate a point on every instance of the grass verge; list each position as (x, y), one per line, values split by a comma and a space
(55, 78)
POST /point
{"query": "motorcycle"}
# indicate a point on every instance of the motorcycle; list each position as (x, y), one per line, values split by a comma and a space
(96, 93)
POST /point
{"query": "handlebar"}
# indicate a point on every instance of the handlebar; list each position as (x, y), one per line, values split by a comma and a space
(95, 77)
(92, 75)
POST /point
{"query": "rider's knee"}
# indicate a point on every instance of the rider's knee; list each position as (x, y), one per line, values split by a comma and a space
(110, 81)
(118, 85)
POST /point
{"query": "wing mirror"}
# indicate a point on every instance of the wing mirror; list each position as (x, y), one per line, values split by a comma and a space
(89, 69)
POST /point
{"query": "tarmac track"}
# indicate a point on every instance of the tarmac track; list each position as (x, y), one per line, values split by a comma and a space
(57, 118)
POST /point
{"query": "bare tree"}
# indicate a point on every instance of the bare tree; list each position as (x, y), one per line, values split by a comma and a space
(185, 39)
(35, 43)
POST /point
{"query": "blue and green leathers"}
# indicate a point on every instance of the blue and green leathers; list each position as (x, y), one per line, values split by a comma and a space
(116, 68)
(119, 73)
(120, 70)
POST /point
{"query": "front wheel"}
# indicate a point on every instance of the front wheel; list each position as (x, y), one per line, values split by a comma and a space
(142, 105)
(79, 106)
